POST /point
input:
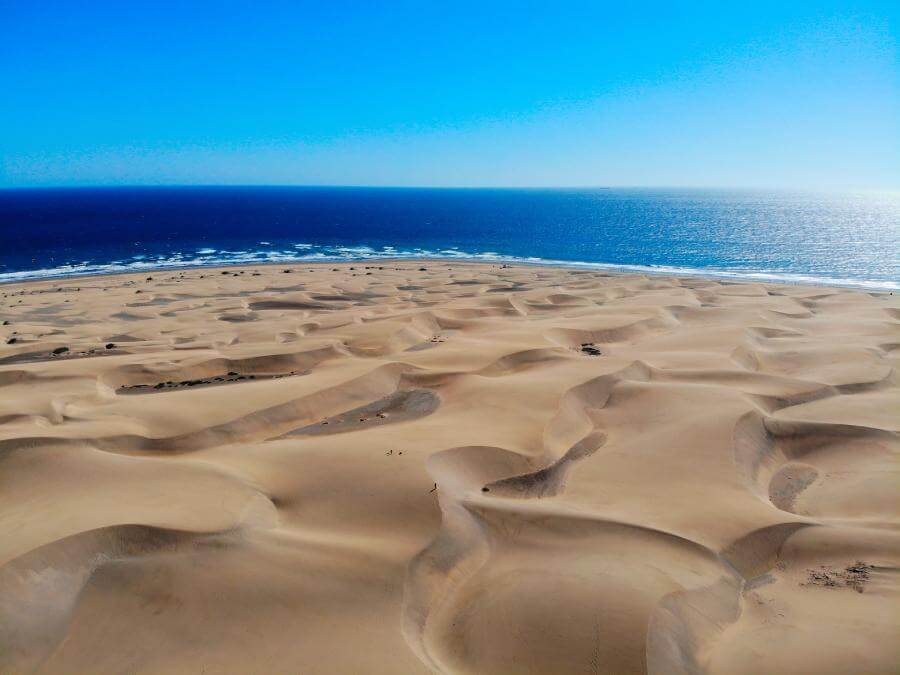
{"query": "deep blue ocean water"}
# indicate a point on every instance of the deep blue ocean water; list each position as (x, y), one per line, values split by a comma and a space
(851, 239)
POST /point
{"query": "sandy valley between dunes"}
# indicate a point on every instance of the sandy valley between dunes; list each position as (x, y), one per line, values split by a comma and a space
(406, 466)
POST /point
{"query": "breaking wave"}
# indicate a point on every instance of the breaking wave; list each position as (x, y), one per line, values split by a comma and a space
(312, 253)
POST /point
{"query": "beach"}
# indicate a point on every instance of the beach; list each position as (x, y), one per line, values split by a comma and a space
(403, 466)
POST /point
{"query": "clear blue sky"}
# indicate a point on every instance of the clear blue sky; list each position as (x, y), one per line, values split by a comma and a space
(793, 94)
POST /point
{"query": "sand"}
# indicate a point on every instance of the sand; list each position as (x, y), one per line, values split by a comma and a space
(414, 466)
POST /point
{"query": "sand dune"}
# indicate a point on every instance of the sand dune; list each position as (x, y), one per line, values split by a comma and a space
(444, 467)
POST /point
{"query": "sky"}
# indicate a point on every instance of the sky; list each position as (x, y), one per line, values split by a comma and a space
(744, 94)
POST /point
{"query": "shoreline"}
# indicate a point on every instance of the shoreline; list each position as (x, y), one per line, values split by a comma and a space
(676, 272)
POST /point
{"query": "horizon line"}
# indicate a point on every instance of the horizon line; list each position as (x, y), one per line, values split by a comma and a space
(126, 186)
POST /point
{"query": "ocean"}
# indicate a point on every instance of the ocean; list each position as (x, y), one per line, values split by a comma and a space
(848, 239)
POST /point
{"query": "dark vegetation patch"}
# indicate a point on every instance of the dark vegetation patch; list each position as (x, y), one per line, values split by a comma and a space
(853, 576)
(227, 378)
(590, 349)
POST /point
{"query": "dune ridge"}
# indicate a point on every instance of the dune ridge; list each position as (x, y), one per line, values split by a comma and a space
(434, 466)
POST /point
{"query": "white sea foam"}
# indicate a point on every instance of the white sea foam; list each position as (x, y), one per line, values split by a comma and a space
(304, 252)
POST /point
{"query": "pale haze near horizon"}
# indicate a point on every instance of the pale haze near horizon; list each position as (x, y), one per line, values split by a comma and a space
(576, 95)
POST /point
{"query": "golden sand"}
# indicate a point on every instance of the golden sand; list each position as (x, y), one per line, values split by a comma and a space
(411, 466)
